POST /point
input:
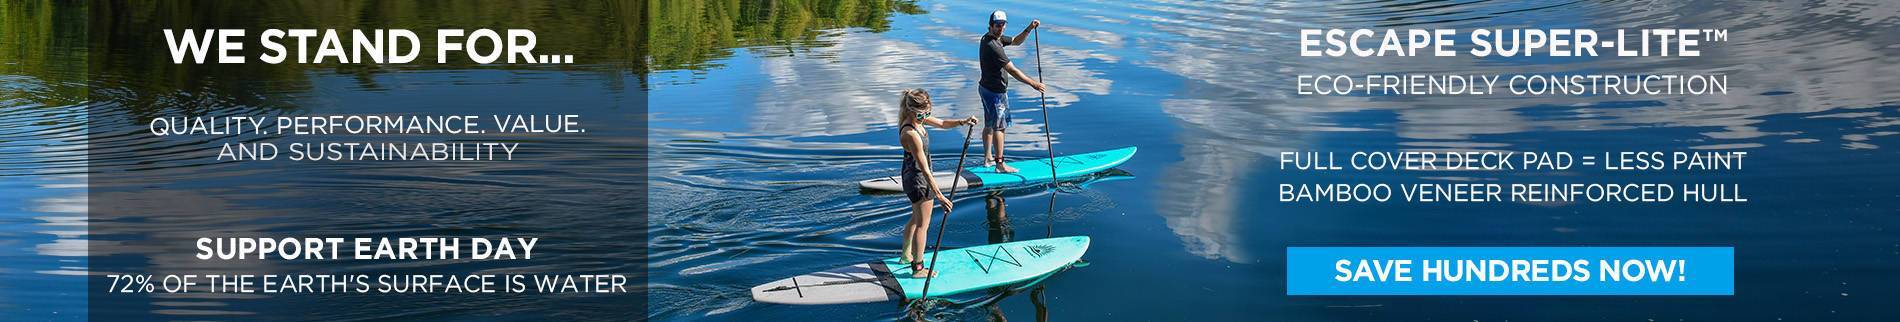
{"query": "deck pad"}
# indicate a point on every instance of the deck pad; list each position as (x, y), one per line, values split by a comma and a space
(959, 270)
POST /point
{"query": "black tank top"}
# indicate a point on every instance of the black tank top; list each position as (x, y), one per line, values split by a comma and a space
(910, 162)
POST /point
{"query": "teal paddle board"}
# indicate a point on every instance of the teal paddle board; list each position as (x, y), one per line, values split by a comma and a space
(959, 270)
(1028, 171)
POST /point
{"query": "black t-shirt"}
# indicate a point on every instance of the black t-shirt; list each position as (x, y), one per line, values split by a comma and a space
(991, 59)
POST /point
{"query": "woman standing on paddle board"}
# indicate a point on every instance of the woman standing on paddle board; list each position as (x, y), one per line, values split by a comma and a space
(920, 185)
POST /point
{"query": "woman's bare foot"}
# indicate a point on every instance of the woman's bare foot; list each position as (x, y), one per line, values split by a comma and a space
(922, 273)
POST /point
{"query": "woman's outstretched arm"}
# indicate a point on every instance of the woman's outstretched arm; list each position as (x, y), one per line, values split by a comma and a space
(945, 124)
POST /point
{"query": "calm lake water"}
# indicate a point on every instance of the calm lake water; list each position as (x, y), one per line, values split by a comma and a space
(88, 191)
(763, 114)
(756, 149)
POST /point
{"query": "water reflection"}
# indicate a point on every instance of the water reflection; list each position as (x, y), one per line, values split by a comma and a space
(995, 207)
(95, 195)
(1240, 111)
(43, 226)
(843, 82)
(808, 111)
(696, 34)
(766, 110)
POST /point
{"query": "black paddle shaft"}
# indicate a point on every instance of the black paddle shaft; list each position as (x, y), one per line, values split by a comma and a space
(1047, 128)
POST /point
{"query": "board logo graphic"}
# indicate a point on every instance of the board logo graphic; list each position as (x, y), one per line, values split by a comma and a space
(998, 255)
(1038, 250)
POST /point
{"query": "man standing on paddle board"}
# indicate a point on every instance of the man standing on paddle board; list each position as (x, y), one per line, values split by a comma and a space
(994, 89)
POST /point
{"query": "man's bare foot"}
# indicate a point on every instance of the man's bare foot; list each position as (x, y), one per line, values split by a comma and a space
(1004, 168)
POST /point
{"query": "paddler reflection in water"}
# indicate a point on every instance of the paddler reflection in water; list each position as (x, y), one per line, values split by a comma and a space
(1001, 232)
(920, 185)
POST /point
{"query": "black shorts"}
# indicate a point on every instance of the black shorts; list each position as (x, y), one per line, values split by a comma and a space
(915, 186)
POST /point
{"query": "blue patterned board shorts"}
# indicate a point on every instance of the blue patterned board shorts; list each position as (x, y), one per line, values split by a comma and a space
(995, 109)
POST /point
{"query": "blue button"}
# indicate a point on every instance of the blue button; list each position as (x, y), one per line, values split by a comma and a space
(1510, 271)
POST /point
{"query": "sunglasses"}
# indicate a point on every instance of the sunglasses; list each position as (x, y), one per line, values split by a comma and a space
(999, 23)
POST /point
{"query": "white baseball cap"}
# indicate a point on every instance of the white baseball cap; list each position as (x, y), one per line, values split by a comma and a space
(998, 15)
